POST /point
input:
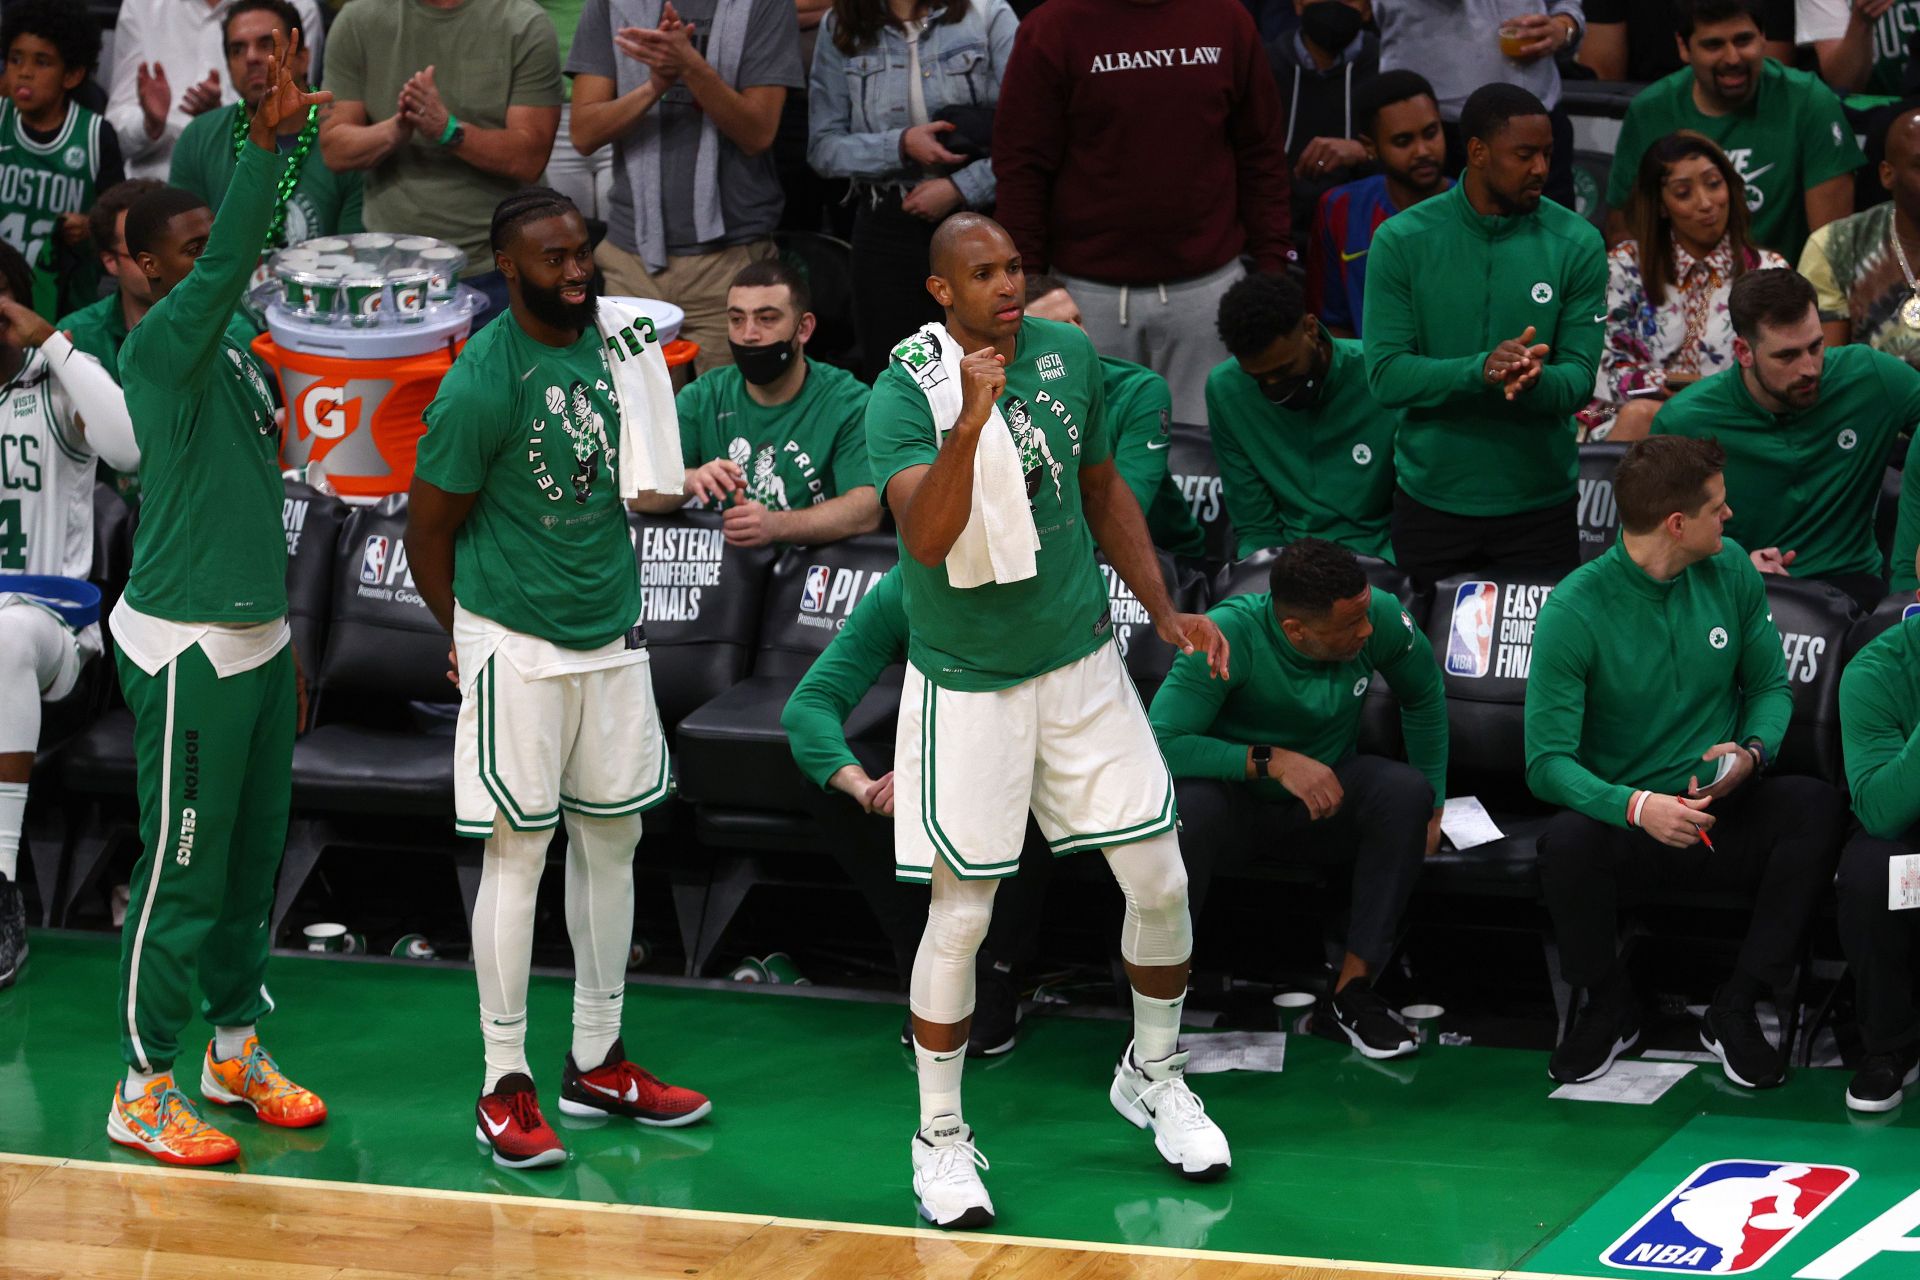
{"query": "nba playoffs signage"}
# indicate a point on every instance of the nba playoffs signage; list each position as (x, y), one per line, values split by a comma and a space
(828, 594)
(677, 563)
(1492, 629)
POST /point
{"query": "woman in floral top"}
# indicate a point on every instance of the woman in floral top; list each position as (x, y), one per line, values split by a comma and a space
(1667, 285)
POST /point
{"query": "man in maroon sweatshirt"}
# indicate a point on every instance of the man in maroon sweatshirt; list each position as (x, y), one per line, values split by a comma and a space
(1138, 146)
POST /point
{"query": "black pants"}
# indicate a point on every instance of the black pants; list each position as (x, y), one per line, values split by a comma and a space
(1559, 172)
(890, 298)
(1775, 838)
(1429, 545)
(1879, 943)
(1380, 831)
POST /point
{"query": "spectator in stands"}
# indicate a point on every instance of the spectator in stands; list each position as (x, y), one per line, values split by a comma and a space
(1399, 122)
(1806, 431)
(166, 70)
(1784, 130)
(1860, 46)
(1638, 40)
(912, 143)
(1114, 116)
(321, 202)
(775, 440)
(1667, 319)
(1459, 44)
(1861, 265)
(100, 327)
(1880, 739)
(1323, 67)
(1140, 419)
(1304, 450)
(1484, 308)
(690, 100)
(447, 107)
(1267, 761)
(860, 834)
(587, 180)
(57, 154)
(1622, 744)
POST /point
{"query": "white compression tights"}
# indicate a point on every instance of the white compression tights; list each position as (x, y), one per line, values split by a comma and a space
(32, 648)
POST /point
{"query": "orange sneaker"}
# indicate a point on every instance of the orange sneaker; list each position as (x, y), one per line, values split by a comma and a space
(253, 1078)
(163, 1123)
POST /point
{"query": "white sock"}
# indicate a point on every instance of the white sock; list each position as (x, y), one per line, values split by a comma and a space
(596, 1024)
(13, 812)
(1156, 1027)
(137, 1083)
(939, 1080)
(230, 1042)
(505, 1038)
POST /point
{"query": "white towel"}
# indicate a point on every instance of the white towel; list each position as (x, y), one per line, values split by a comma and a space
(649, 460)
(999, 541)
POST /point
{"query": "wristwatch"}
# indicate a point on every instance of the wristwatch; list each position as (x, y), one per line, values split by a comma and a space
(1261, 757)
(454, 134)
(1758, 749)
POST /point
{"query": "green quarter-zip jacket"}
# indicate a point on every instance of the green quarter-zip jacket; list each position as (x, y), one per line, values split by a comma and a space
(874, 638)
(1879, 720)
(1322, 472)
(1807, 481)
(1445, 286)
(1278, 696)
(1634, 679)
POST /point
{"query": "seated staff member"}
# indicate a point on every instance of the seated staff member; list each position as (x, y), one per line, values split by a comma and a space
(1305, 451)
(776, 440)
(1647, 756)
(1806, 431)
(1880, 738)
(1270, 754)
(861, 833)
(1140, 412)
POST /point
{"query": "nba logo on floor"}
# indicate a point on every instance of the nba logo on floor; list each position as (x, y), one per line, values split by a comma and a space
(1470, 638)
(1729, 1217)
(373, 560)
(813, 594)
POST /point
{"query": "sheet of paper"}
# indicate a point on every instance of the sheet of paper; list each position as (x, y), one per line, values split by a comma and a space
(1464, 820)
(1633, 1081)
(1680, 1055)
(1903, 882)
(1237, 1051)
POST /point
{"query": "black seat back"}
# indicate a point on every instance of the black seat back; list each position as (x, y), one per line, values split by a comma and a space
(701, 600)
(1893, 610)
(312, 521)
(1599, 515)
(1147, 656)
(811, 592)
(1481, 629)
(1886, 514)
(1815, 623)
(1191, 463)
(381, 639)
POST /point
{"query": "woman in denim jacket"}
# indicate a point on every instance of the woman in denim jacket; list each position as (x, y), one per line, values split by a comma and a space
(882, 71)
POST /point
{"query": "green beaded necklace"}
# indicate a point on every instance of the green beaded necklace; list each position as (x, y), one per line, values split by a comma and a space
(290, 177)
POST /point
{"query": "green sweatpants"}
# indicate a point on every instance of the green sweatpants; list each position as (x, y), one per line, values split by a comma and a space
(215, 776)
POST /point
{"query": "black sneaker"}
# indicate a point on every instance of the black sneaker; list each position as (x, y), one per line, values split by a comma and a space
(906, 1031)
(1880, 1083)
(1605, 1029)
(1369, 1026)
(13, 932)
(996, 1012)
(1749, 1059)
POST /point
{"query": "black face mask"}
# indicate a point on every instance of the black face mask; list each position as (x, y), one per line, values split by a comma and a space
(1330, 24)
(1302, 392)
(763, 365)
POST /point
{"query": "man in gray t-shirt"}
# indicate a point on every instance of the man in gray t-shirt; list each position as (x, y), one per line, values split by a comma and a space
(689, 93)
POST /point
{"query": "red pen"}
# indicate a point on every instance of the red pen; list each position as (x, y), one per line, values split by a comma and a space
(1706, 839)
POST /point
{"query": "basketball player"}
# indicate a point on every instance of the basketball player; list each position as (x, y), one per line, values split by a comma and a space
(206, 664)
(59, 410)
(535, 577)
(1016, 697)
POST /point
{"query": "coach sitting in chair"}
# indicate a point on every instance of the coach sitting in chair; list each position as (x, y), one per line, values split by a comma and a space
(1270, 754)
(1657, 693)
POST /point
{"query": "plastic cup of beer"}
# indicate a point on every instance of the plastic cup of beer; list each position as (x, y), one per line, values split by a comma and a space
(443, 265)
(321, 286)
(1513, 39)
(363, 291)
(409, 286)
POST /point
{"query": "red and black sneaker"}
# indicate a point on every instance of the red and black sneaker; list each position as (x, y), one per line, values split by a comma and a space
(509, 1121)
(618, 1088)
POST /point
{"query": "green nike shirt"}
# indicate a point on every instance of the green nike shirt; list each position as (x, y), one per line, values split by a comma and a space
(795, 455)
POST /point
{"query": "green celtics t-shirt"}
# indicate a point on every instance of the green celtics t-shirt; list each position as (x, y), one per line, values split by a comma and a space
(1140, 414)
(997, 635)
(533, 430)
(323, 203)
(795, 455)
(1790, 138)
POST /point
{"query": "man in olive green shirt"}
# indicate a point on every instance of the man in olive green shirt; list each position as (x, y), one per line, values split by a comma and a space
(1807, 431)
(1305, 451)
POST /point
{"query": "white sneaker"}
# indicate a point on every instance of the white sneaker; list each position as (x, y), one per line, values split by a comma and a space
(946, 1176)
(1155, 1096)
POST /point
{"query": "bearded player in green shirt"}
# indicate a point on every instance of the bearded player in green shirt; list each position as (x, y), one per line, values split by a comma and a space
(1016, 697)
(207, 665)
(1658, 693)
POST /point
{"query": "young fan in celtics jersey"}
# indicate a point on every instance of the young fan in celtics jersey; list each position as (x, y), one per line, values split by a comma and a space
(54, 153)
(538, 584)
(776, 440)
(1016, 697)
(59, 411)
(207, 665)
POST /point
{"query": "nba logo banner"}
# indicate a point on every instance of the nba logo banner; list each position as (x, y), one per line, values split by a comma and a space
(813, 593)
(1729, 1217)
(1470, 638)
(373, 560)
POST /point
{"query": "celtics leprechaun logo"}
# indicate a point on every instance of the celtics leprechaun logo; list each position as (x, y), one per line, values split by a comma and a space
(1031, 441)
(765, 486)
(586, 430)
